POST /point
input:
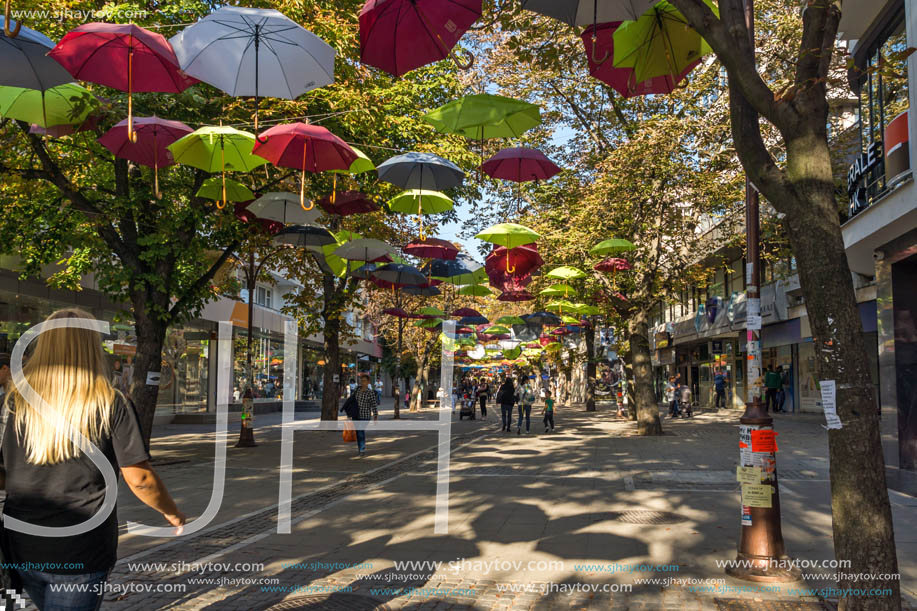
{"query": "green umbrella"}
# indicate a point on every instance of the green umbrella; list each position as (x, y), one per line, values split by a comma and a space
(512, 353)
(360, 165)
(470, 278)
(509, 235)
(485, 115)
(497, 330)
(431, 311)
(566, 272)
(560, 305)
(569, 320)
(429, 323)
(557, 290)
(235, 191)
(475, 290)
(659, 43)
(584, 309)
(337, 265)
(612, 246)
(420, 202)
(510, 320)
(68, 104)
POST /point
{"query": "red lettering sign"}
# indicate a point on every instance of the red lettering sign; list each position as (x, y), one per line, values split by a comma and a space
(764, 441)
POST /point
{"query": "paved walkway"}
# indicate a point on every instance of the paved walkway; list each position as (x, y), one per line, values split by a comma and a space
(535, 520)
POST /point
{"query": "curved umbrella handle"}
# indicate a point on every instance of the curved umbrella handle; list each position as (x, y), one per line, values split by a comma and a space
(596, 60)
(461, 64)
(311, 205)
(8, 19)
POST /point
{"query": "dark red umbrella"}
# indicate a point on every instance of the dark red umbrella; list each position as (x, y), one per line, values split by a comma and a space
(622, 79)
(516, 296)
(463, 312)
(397, 313)
(522, 259)
(612, 264)
(347, 203)
(148, 146)
(464, 330)
(266, 225)
(125, 57)
(401, 35)
(520, 164)
(544, 340)
(504, 282)
(432, 248)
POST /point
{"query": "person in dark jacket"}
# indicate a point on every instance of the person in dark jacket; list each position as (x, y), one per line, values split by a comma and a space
(507, 397)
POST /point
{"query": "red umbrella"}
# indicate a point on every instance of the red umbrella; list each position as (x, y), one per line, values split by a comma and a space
(304, 147)
(520, 165)
(267, 225)
(622, 79)
(544, 340)
(110, 53)
(397, 313)
(151, 136)
(504, 282)
(514, 296)
(613, 265)
(432, 248)
(401, 35)
(522, 259)
(347, 203)
(464, 330)
(463, 312)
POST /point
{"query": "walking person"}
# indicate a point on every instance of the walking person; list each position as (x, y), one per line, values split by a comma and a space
(781, 392)
(526, 401)
(685, 401)
(507, 397)
(548, 412)
(51, 482)
(719, 386)
(671, 396)
(483, 391)
(367, 409)
(772, 383)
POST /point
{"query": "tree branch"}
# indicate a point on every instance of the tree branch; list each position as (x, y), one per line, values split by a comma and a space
(178, 308)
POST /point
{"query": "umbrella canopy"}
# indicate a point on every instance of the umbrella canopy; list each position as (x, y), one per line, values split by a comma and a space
(400, 35)
(364, 249)
(520, 165)
(566, 272)
(422, 290)
(585, 12)
(347, 203)
(484, 115)
(416, 201)
(430, 312)
(283, 207)
(659, 43)
(254, 52)
(556, 290)
(516, 296)
(217, 149)
(497, 330)
(399, 274)
(213, 188)
(560, 305)
(68, 104)
(309, 237)
(541, 318)
(599, 44)
(510, 320)
(461, 312)
(361, 164)
(612, 264)
(509, 235)
(527, 331)
(24, 62)
(461, 270)
(154, 135)
(432, 248)
(364, 271)
(473, 320)
(475, 290)
(505, 282)
(612, 246)
(304, 147)
(522, 259)
(421, 171)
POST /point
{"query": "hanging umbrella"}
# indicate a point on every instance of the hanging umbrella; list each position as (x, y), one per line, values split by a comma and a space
(509, 235)
(430, 312)
(484, 115)
(24, 62)
(569, 320)
(400, 35)
(399, 274)
(473, 320)
(364, 271)
(461, 270)
(510, 320)
(599, 42)
(612, 264)
(122, 56)
(422, 290)
(68, 104)
(432, 248)
(541, 318)
(152, 136)
(420, 202)
(516, 296)
(233, 191)
(584, 309)
(461, 312)
(520, 165)
(361, 164)
(283, 207)
(611, 247)
(364, 249)
(310, 237)
(497, 330)
(527, 331)
(347, 203)
(505, 282)
(306, 148)
(566, 272)
(474, 290)
(659, 43)
(522, 260)
(254, 52)
(421, 171)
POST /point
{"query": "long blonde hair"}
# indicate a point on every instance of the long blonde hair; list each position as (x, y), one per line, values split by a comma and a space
(68, 370)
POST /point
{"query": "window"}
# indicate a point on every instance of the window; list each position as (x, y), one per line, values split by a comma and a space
(263, 297)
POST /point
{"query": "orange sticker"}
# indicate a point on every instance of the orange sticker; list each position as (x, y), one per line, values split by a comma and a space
(764, 441)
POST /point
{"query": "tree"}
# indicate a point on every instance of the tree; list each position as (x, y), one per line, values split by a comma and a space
(801, 186)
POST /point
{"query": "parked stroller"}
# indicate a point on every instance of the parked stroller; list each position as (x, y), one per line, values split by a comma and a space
(467, 406)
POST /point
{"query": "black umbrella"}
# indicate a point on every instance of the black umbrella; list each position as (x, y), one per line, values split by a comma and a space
(542, 318)
(423, 291)
(529, 332)
(399, 274)
(364, 271)
(310, 237)
(472, 320)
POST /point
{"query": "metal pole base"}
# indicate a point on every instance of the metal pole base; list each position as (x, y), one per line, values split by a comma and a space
(246, 438)
(764, 569)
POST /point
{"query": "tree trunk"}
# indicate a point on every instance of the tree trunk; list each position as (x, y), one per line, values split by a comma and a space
(590, 369)
(151, 335)
(331, 394)
(648, 422)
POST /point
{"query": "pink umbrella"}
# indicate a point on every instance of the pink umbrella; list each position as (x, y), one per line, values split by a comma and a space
(111, 53)
(515, 296)
(151, 136)
(613, 265)
(347, 203)
(622, 79)
(463, 312)
(432, 248)
(401, 35)
(304, 147)
(520, 165)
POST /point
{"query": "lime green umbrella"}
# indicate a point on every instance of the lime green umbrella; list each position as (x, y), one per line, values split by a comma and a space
(360, 165)
(497, 330)
(431, 311)
(612, 246)
(338, 265)
(659, 43)
(569, 320)
(584, 309)
(566, 272)
(429, 323)
(510, 320)
(557, 290)
(235, 191)
(469, 278)
(68, 104)
(512, 353)
(475, 290)
(560, 305)
(420, 202)
(484, 115)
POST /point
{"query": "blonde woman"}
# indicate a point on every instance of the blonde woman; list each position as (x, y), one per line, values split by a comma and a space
(52, 483)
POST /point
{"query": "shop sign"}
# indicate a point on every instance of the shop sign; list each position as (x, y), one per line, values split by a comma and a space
(858, 176)
(663, 340)
(124, 349)
(717, 347)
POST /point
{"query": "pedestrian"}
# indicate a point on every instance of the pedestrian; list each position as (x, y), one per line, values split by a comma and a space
(772, 382)
(781, 391)
(506, 396)
(367, 408)
(526, 400)
(684, 400)
(51, 482)
(719, 386)
(378, 387)
(548, 412)
(5, 375)
(483, 391)
(456, 396)
(671, 396)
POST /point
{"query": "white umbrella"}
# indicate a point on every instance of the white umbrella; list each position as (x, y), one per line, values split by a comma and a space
(254, 52)
(364, 249)
(590, 12)
(284, 208)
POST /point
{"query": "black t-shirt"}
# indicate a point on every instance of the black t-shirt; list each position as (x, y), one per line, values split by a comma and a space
(65, 494)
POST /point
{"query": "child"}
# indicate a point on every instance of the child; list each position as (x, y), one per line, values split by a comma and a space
(548, 412)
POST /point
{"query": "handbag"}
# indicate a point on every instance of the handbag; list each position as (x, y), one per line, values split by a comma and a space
(10, 583)
(349, 433)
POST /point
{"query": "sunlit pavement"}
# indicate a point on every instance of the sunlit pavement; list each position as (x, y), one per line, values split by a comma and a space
(525, 510)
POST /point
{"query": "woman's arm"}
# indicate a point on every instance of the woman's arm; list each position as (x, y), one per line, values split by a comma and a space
(146, 486)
